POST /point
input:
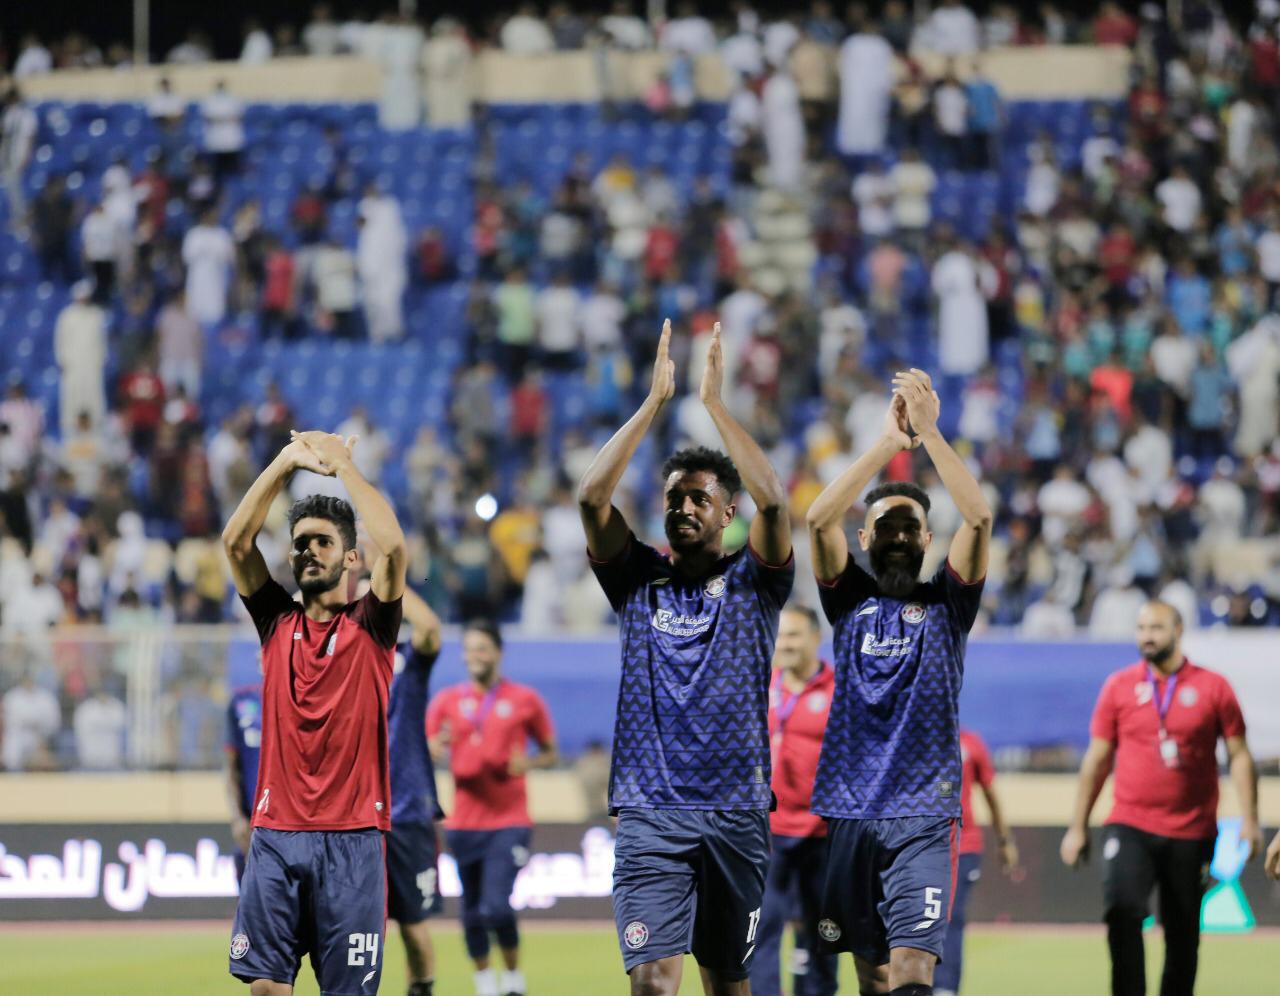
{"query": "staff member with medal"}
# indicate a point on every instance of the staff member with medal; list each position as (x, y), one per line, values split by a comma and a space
(484, 727)
(1159, 721)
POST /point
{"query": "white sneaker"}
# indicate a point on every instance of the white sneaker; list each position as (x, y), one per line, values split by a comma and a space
(487, 983)
(512, 983)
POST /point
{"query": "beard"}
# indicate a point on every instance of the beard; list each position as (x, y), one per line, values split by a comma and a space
(318, 584)
(899, 576)
(1158, 655)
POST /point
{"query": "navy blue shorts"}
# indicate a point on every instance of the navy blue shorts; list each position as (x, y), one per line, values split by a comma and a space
(317, 892)
(413, 892)
(889, 884)
(488, 863)
(690, 881)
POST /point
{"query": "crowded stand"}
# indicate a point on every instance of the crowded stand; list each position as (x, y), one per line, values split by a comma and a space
(476, 293)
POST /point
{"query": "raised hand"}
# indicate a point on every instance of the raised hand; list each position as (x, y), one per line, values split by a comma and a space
(332, 450)
(664, 368)
(923, 404)
(897, 430)
(303, 457)
(713, 372)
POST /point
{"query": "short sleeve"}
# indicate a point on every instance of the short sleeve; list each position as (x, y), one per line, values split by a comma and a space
(1104, 724)
(773, 581)
(267, 605)
(437, 712)
(1230, 718)
(623, 574)
(541, 729)
(841, 595)
(379, 619)
(964, 598)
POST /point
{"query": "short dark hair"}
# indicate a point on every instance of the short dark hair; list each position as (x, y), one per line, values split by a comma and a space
(696, 458)
(1172, 609)
(899, 489)
(335, 510)
(800, 609)
(486, 626)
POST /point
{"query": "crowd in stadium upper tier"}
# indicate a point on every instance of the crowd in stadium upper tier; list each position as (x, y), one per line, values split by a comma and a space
(1096, 308)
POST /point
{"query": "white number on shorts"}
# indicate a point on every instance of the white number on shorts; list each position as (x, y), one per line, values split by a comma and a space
(362, 944)
(753, 921)
(932, 904)
(427, 885)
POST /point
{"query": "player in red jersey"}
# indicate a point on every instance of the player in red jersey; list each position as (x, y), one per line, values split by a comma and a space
(315, 879)
(975, 769)
(1160, 720)
(485, 726)
(799, 702)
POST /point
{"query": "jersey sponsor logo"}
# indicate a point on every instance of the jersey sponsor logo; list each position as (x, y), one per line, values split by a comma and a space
(1188, 697)
(913, 612)
(868, 610)
(658, 581)
(264, 801)
(636, 935)
(678, 624)
(365, 981)
(890, 646)
(945, 788)
(829, 930)
(333, 642)
(1142, 692)
(239, 946)
(923, 925)
(715, 587)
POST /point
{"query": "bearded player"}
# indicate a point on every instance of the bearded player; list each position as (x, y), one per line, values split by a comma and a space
(315, 879)
(889, 775)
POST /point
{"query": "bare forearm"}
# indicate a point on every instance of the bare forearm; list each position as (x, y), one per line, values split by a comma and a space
(423, 621)
(601, 479)
(997, 814)
(547, 757)
(250, 515)
(374, 510)
(1093, 775)
(1245, 778)
(961, 485)
(758, 475)
(829, 508)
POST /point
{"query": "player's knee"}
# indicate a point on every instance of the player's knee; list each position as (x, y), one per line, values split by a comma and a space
(651, 980)
(1125, 916)
(265, 987)
(507, 932)
(911, 966)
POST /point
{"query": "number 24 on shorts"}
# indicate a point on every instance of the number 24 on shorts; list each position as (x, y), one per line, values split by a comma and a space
(362, 944)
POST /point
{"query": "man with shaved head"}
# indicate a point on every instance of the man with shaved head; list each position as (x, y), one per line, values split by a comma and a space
(889, 775)
(1158, 723)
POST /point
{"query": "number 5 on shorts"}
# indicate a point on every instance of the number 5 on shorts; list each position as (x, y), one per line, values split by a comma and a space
(933, 904)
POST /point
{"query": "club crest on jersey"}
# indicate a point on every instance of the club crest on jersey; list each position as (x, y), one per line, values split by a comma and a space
(1188, 697)
(715, 586)
(636, 935)
(816, 702)
(239, 946)
(829, 930)
(503, 708)
(913, 612)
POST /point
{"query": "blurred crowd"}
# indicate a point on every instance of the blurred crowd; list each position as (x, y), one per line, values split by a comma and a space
(1108, 351)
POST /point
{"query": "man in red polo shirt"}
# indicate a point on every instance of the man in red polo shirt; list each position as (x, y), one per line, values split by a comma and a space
(976, 769)
(799, 701)
(1159, 720)
(485, 726)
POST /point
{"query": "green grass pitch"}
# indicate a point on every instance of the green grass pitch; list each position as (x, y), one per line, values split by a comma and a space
(574, 961)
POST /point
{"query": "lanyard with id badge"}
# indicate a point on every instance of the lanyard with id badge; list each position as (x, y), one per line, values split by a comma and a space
(1168, 745)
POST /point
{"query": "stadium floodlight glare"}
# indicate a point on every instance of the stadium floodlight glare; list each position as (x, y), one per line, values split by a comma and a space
(486, 506)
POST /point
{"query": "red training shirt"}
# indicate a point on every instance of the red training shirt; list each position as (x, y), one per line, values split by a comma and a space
(1179, 802)
(796, 741)
(485, 731)
(975, 768)
(324, 762)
